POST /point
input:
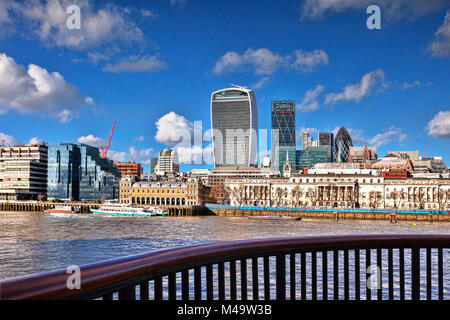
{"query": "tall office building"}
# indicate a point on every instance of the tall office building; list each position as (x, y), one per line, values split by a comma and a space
(168, 161)
(23, 172)
(234, 122)
(283, 134)
(77, 172)
(306, 159)
(342, 144)
(327, 139)
(308, 141)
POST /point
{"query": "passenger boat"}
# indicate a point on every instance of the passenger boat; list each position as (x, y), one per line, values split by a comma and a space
(119, 209)
(63, 209)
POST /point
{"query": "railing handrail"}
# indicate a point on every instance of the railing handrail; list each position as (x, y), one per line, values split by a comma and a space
(53, 284)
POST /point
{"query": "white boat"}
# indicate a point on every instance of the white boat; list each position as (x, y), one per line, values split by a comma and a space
(63, 209)
(159, 211)
(119, 209)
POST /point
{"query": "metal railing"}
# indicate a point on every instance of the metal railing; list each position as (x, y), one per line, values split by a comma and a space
(394, 267)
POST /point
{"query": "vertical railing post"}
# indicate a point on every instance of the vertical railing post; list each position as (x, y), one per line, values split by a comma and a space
(281, 276)
(255, 279)
(415, 273)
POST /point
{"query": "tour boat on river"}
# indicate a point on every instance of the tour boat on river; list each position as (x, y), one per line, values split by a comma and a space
(119, 209)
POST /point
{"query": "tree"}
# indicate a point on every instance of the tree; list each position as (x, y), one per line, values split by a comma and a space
(312, 194)
(217, 193)
(280, 194)
(41, 197)
(444, 199)
(297, 194)
(419, 199)
(397, 198)
(375, 197)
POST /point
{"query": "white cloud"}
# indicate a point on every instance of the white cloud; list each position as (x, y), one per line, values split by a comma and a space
(416, 83)
(179, 3)
(140, 138)
(305, 61)
(136, 64)
(34, 90)
(391, 10)
(93, 141)
(111, 24)
(264, 62)
(119, 156)
(384, 137)
(356, 92)
(439, 126)
(149, 14)
(173, 128)
(309, 102)
(440, 46)
(7, 140)
(260, 83)
(35, 140)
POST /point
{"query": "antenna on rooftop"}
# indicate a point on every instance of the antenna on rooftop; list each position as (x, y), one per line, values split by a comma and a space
(238, 86)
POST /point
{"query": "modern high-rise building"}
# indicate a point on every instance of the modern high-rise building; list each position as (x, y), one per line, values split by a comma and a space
(307, 158)
(283, 134)
(129, 168)
(23, 172)
(77, 172)
(168, 161)
(342, 144)
(308, 141)
(153, 163)
(327, 139)
(234, 124)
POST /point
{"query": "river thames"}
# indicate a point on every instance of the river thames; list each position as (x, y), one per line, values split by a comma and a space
(37, 242)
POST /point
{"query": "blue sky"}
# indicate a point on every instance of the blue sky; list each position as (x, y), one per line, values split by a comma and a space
(152, 65)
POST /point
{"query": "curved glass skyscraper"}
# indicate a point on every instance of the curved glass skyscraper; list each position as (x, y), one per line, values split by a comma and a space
(342, 142)
(234, 122)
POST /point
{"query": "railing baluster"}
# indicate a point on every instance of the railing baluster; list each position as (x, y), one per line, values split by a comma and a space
(266, 278)
(380, 280)
(415, 273)
(357, 275)
(158, 288)
(172, 287)
(127, 293)
(209, 282)
(303, 275)
(428, 273)
(325, 275)
(255, 279)
(281, 277)
(292, 285)
(185, 284)
(440, 274)
(314, 275)
(143, 290)
(233, 279)
(402, 273)
(244, 279)
(391, 274)
(336, 274)
(221, 281)
(197, 283)
(368, 263)
(346, 276)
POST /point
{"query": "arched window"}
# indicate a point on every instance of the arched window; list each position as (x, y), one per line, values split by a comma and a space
(157, 201)
(178, 201)
(168, 200)
(173, 201)
(183, 201)
(153, 200)
(132, 200)
(148, 200)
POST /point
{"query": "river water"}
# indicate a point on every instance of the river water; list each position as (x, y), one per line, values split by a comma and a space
(37, 242)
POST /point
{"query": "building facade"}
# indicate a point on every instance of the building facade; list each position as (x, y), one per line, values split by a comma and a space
(157, 193)
(77, 172)
(307, 158)
(283, 140)
(234, 121)
(129, 168)
(168, 161)
(23, 172)
(341, 191)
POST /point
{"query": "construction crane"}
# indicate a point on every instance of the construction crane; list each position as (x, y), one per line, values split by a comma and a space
(103, 153)
(136, 156)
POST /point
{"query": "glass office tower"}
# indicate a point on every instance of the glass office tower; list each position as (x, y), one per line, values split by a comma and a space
(76, 172)
(283, 134)
(234, 122)
(306, 159)
(327, 139)
(342, 144)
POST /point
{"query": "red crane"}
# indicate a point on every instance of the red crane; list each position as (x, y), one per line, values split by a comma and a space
(103, 153)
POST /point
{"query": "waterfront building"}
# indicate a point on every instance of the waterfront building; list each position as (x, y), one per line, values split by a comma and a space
(283, 141)
(220, 174)
(234, 121)
(163, 193)
(168, 162)
(77, 172)
(365, 156)
(342, 144)
(340, 168)
(23, 172)
(341, 191)
(129, 168)
(307, 158)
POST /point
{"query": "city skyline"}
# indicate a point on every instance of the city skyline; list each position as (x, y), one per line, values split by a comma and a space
(153, 71)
